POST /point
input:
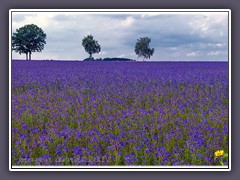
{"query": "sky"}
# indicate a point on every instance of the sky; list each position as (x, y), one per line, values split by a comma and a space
(175, 36)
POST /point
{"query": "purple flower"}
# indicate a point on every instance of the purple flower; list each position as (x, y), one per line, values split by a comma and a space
(94, 113)
(66, 149)
(76, 150)
(58, 151)
(44, 160)
(130, 159)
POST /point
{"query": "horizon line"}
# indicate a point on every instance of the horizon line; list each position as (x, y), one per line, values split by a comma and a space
(133, 60)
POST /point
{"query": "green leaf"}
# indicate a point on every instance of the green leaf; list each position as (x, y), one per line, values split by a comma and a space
(225, 155)
(221, 163)
(27, 39)
(91, 46)
(142, 48)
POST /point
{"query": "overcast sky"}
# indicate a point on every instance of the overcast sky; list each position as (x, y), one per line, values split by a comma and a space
(175, 36)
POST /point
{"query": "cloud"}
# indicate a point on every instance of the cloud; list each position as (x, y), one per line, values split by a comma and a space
(102, 53)
(42, 19)
(121, 55)
(128, 21)
(210, 24)
(220, 45)
(193, 54)
(61, 17)
(181, 36)
(216, 53)
(20, 17)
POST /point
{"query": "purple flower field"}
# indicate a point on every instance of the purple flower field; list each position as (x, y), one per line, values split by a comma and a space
(119, 113)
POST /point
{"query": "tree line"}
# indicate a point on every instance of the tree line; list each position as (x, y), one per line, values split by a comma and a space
(30, 38)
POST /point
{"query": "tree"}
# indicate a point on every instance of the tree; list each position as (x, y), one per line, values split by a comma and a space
(91, 46)
(142, 48)
(28, 39)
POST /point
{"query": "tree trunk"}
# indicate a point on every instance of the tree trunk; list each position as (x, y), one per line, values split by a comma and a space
(26, 56)
(30, 53)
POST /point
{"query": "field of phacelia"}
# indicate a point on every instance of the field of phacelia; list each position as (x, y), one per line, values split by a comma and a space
(119, 113)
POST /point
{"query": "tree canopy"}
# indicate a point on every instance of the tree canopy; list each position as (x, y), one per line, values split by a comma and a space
(91, 46)
(27, 39)
(142, 48)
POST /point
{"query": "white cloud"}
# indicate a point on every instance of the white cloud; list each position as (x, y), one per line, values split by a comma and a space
(121, 55)
(216, 53)
(209, 23)
(41, 19)
(102, 53)
(144, 15)
(172, 48)
(220, 45)
(214, 45)
(128, 21)
(193, 54)
(177, 36)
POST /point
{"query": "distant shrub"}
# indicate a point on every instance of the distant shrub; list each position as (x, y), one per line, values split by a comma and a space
(109, 59)
(89, 59)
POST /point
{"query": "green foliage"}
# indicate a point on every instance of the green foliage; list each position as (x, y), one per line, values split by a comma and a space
(91, 46)
(109, 59)
(142, 48)
(27, 39)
